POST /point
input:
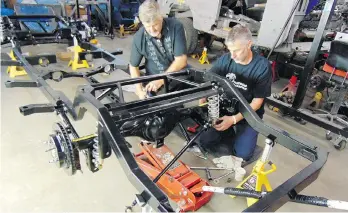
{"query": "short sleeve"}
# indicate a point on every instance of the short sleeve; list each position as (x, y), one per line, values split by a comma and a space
(263, 82)
(136, 56)
(179, 40)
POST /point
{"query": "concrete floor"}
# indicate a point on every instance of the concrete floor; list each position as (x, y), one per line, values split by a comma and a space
(29, 183)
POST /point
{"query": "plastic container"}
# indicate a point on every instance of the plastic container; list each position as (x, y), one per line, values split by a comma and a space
(237, 162)
(239, 174)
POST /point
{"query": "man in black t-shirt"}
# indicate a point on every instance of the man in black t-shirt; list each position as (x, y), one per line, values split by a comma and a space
(251, 74)
(162, 42)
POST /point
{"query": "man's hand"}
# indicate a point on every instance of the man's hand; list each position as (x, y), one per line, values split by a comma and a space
(141, 94)
(202, 101)
(154, 85)
(226, 122)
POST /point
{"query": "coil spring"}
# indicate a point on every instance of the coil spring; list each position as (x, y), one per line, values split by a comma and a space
(95, 152)
(213, 108)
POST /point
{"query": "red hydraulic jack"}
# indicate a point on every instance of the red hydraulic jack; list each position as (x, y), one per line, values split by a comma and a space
(287, 94)
(193, 129)
(291, 87)
(180, 183)
(172, 176)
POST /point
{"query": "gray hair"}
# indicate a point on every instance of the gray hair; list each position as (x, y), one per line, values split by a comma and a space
(149, 11)
(239, 32)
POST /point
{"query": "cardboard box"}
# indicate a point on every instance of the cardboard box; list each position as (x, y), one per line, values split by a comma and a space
(69, 9)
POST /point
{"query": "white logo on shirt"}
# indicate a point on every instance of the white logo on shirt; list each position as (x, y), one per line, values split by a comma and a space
(232, 78)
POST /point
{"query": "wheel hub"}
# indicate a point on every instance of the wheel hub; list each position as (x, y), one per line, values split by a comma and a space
(62, 150)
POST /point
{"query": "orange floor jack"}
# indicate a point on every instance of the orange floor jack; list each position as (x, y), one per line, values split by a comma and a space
(172, 176)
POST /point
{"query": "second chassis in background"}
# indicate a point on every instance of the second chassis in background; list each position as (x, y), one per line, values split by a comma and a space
(282, 26)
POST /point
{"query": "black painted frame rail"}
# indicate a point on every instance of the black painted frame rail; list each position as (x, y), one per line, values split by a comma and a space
(150, 193)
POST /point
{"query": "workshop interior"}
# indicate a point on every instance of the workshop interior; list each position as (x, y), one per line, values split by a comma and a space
(69, 61)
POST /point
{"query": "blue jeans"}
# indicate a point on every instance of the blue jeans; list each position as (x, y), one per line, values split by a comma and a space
(239, 140)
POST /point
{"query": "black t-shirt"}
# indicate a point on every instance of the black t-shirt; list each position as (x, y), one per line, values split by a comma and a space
(159, 53)
(253, 80)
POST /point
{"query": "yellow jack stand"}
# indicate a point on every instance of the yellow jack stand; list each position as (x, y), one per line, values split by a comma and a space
(15, 71)
(315, 102)
(94, 41)
(134, 26)
(121, 32)
(204, 58)
(258, 177)
(75, 61)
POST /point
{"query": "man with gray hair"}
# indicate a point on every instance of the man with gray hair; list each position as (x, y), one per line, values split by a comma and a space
(252, 75)
(162, 42)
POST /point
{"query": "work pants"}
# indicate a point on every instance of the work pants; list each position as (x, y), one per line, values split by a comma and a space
(239, 140)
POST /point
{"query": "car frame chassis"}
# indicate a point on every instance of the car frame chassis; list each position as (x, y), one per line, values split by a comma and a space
(203, 84)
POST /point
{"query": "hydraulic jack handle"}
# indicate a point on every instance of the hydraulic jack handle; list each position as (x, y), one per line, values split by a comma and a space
(178, 155)
(298, 198)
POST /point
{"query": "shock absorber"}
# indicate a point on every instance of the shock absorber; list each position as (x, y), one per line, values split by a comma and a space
(213, 108)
